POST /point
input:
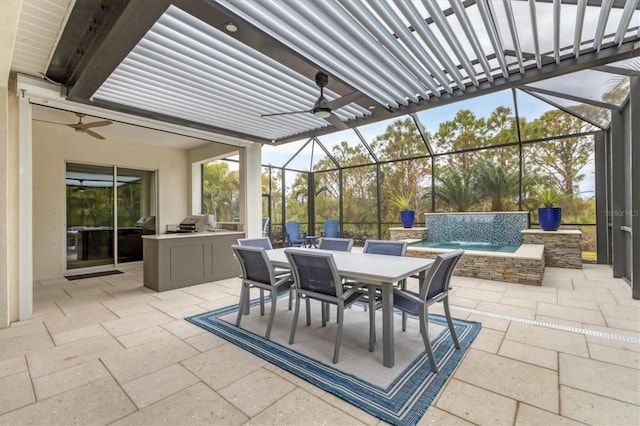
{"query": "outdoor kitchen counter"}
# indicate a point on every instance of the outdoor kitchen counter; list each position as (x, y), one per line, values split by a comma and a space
(181, 260)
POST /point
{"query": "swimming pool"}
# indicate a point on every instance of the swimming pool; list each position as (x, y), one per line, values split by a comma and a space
(464, 245)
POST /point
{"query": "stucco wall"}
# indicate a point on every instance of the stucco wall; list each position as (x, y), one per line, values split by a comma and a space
(53, 146)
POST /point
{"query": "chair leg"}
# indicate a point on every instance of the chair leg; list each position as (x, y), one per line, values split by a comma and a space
(294, 324)
(447, 314)
(403, 286)
(336, 351)
(292, 293)
(271, 316)
(308, 307)
(324, 314)
(243, 305)
(424, 330)
(261, 302)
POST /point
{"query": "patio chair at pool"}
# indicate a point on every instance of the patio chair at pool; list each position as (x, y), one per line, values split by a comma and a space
(331, 228)
(434, 289)
(336, 244)
(258, 272)
(294, 237)
(316, 277)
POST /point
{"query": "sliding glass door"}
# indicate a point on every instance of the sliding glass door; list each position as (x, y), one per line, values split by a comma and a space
(101, 200)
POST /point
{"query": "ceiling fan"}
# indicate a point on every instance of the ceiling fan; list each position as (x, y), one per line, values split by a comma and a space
(323, 108)
(83, 127)
(86, 127)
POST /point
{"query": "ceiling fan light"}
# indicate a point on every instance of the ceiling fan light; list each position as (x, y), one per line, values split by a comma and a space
(322, 112)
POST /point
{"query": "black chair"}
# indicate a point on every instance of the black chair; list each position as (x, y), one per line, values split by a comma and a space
(258, 272)
(316, 277)
(336, 244)
(435, 288)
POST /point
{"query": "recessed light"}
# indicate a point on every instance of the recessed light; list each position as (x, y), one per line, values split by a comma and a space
(231, 27)
(371, 107)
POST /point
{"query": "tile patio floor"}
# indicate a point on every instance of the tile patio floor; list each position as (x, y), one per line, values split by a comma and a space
(109, 351)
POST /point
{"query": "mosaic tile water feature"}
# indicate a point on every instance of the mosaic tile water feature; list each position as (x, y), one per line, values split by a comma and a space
(500, 228)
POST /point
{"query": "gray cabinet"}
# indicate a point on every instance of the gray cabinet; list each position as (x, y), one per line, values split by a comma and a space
(180, 260)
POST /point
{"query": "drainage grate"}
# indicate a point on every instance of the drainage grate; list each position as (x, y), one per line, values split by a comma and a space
(551, 325)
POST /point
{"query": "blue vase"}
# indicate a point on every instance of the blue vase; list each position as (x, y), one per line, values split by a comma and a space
(550, 218)
(407, 217)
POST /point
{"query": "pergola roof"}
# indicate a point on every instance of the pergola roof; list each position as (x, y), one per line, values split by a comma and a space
(177, 60)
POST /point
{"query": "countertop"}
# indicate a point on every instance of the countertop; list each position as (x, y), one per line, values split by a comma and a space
(192, 234)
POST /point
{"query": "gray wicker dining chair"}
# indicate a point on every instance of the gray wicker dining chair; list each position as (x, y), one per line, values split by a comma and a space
(435, 288)
(316, 277)
(258, 272)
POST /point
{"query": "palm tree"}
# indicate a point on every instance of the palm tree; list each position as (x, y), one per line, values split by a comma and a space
(457, 190)
(499, 185)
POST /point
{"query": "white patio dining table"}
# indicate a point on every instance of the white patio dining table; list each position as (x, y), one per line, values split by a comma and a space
(382, 270)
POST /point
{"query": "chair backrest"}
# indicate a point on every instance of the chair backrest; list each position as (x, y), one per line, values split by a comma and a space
(331, 228)
(336, 244)
(315, 272)
(235, 220)
(293, 229)
(390, 248)
(437, 280)
(255, 265)
(264, 242)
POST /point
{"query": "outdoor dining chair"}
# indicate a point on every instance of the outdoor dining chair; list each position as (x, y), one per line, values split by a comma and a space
(265, 224)
(316, 277)
(294, 237)
(434, 289)
(265, 243)
(389, 248)
(258, 272)
(336, 244)
(331, 228)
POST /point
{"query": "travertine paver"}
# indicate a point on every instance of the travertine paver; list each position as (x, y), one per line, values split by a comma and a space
(298, 404)
(112, 327)
(621, 383)
(196, 405)
(597, 410)
(98, 402)
(476, 404)
(517, 380)
(256, 391)
(158, 385)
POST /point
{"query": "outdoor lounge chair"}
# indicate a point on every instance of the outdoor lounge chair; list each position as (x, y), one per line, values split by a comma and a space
(434, 289)
(316, 277)
(294, 237)
(258, 272)
(331, 228)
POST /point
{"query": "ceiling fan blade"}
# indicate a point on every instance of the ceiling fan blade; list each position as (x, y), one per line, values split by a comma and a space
(336, 122)
(284, 113)
(97, 124)
(344, 100)
(94, 134)
(77, 126)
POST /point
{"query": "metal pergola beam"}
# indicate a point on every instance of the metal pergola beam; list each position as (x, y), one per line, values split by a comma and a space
(574, 98)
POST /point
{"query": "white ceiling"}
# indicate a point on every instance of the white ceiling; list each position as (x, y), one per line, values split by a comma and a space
(116, 130)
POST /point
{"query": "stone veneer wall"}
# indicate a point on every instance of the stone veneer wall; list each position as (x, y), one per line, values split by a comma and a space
(415, 233)
(483, 265)
(562, 248)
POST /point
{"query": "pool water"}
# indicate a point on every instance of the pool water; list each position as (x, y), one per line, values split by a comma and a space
(465, 246)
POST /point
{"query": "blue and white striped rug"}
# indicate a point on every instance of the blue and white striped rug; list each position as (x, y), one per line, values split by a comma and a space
(398, 395)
